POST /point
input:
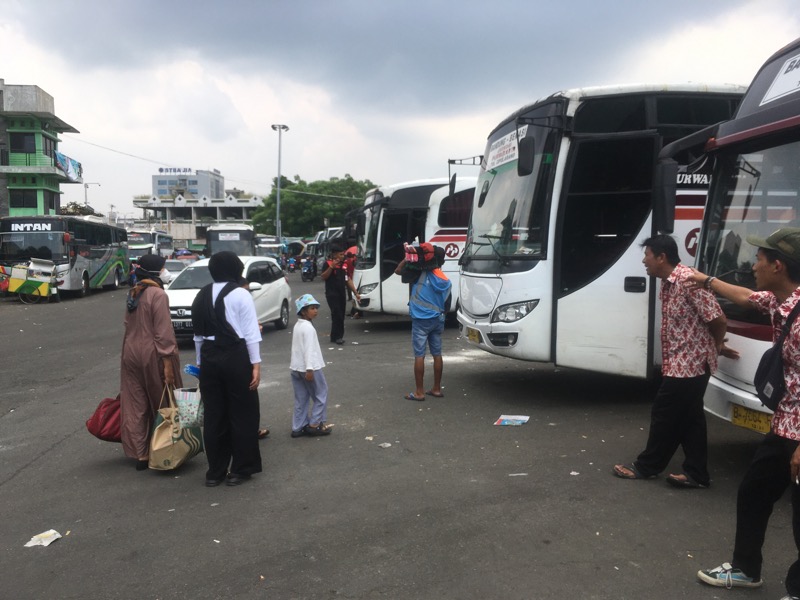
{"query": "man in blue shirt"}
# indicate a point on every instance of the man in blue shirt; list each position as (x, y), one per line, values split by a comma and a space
(427, 308)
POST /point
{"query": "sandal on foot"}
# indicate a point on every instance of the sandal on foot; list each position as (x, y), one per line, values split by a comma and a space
(434, 394)
(321, 429)
(262, 433)
(682, 480)
(629, 472)
(411, 396)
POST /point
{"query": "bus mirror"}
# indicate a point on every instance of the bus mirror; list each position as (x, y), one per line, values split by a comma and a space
(361, 224)
(526, 155)
(484, 191)
(452, 185)
(665, 186)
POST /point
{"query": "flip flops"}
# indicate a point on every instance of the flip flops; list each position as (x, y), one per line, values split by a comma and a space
(411, 396)
(682, 480)
(434, 394)
(629, 472)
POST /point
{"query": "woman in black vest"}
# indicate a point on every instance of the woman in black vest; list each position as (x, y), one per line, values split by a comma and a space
(227, 341)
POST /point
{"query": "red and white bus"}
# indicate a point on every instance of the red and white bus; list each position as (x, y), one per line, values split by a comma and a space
(753, 161)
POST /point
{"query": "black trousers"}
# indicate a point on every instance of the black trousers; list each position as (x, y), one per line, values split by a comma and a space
(232, 411)
(762, 486)
(337, 304)
(677, 419)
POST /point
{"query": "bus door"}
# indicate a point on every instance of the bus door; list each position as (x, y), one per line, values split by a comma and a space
(398, 226)
(602, 295)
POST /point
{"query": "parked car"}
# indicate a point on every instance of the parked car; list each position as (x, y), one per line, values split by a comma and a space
(267, 284)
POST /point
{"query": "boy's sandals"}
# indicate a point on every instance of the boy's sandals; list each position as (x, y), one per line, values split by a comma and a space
(321, 429)
(629, 472)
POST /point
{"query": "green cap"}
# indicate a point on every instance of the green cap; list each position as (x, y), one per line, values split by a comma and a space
(785, 241)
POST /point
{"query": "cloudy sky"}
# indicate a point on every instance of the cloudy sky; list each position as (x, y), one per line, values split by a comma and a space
(385, 91)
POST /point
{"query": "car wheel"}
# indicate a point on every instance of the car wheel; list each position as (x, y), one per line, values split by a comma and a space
(283, 321)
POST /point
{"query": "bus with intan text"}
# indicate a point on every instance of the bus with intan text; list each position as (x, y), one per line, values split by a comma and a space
(754, 164)
(552, 270)
(87, 253)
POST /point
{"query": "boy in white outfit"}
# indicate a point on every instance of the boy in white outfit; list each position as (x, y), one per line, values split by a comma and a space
(308, 380)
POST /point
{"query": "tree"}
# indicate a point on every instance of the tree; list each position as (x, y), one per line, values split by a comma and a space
(75, 208)
(305, 206)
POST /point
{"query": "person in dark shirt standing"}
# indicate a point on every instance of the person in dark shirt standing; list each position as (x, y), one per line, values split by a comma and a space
(336, 284)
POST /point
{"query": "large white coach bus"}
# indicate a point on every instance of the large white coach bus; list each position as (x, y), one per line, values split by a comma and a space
(149, 241)
(552, 270)
(237, 238)
(428, 210)
(754, 163)
(85, 251)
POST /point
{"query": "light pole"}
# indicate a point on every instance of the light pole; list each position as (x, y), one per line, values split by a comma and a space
(86, 192)
(280, 129)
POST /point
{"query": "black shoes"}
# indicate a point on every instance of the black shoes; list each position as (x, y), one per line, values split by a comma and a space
(213, 482)
(236, 479)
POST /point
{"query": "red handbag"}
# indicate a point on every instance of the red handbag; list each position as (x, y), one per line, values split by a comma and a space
(105, 422)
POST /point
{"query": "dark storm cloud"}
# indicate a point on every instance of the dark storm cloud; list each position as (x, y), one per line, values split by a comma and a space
(400, 57)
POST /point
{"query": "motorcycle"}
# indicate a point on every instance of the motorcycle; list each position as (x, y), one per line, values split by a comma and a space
(308, 270)
(291, 265)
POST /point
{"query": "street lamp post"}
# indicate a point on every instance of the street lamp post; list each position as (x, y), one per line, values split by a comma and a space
(86, 192)
(280, 129)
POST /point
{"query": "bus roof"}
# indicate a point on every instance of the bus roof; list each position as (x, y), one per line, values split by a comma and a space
(575, 94)
(235, 226)
(772, 102)
(388, 190)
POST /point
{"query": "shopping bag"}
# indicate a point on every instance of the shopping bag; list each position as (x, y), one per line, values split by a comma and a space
(190, 407)
(105, 422)
(171, 445)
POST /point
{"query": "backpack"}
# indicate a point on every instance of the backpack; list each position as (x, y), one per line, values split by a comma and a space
(769, 381)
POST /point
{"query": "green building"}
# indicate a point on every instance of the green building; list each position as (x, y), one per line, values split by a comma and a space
(31, 167)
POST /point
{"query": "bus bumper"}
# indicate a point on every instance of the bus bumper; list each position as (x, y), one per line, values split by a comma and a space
(738, 406)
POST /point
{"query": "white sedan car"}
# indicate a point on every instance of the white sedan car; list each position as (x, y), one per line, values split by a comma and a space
(267, 284)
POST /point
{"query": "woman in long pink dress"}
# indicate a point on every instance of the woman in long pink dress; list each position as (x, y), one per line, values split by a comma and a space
(149, 358)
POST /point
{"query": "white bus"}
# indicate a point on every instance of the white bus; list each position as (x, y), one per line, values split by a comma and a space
(149, 241)
(86, 252)
(754, 162)
(552, 271)
(239, 239)
(423, 211)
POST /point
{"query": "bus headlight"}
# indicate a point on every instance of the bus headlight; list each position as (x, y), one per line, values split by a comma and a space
(366, 289)
(509, 313)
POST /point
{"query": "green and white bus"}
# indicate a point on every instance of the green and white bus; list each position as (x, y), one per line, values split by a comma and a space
(86, 252)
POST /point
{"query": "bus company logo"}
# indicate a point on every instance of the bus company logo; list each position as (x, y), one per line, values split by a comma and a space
(693, 179)
(31, 227)
(691, 241)
(451, 250)
(181, 312)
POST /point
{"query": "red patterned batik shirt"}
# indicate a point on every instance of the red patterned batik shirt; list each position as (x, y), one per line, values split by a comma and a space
(786, 422)
(687, 346)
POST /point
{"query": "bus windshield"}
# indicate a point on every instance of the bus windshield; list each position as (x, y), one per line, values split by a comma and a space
(754, 193)
(138, 237)
(24, 245)
(368, 238)
(509, 215)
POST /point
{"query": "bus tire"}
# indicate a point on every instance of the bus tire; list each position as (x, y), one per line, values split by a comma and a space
(282, 322)
(114, 285)
(84, 291)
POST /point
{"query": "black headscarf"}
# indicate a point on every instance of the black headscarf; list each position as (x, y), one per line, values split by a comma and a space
(225, 266)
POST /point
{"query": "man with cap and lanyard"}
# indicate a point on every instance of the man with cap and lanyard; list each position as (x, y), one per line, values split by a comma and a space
(776, 464)
(227, 339)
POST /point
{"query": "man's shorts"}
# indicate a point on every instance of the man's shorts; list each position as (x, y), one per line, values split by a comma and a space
(427, 332)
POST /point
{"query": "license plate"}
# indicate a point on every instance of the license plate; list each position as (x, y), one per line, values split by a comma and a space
(182, 324)
(750, 419)
(473, 335)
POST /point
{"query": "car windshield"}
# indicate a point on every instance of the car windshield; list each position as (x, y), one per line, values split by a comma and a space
(191, 278)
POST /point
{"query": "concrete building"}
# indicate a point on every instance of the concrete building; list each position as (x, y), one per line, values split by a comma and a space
(31, 167)
(172, 182)
(187, 219)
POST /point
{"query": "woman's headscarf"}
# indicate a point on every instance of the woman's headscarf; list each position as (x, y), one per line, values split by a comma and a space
(149, 266)
(225, 266)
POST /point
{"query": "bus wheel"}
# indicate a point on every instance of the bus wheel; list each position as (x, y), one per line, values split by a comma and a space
(32, 298)
(84, 291)
(114, 285)
(283, 321)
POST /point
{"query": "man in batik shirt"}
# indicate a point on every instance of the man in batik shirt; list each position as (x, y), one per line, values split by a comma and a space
(692, 335)
(776, 464)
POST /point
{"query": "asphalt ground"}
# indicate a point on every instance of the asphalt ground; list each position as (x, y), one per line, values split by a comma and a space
(456, 507)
